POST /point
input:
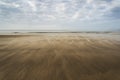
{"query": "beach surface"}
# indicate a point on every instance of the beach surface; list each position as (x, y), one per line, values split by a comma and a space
(60, 56)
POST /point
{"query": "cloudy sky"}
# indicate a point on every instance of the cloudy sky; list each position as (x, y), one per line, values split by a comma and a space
(82, 15)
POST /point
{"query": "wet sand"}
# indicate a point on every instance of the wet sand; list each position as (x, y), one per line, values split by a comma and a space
(60, 56)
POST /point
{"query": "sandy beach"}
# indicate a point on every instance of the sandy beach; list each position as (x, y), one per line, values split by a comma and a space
(60, 56)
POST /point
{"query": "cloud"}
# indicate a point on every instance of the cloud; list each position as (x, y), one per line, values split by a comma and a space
(67, 9)
(60, 7)
(57, 11)
(115, 13)
(32, 5)
(2, 3)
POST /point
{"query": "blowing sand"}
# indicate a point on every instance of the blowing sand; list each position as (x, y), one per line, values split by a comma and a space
(60, 56)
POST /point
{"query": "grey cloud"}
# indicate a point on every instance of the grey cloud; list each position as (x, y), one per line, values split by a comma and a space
(115, 13)
(51, 9)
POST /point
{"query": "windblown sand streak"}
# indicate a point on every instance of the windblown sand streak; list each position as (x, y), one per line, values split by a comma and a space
(59, 56)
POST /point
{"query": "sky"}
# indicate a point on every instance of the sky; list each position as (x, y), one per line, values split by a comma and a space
(66, 15)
